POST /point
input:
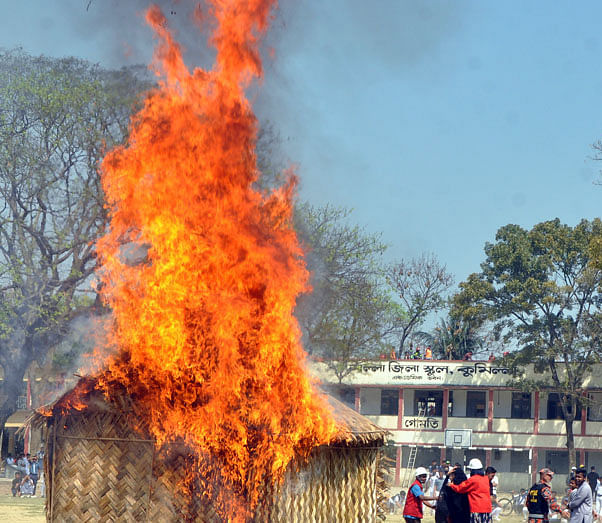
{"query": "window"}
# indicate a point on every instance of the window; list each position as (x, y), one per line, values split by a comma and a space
(594, 409)
(389, 402)
(557, 459)
(428, 401)
(555, 408)
(347, 396)
(476, 404)
(519, 461)
(521, 405)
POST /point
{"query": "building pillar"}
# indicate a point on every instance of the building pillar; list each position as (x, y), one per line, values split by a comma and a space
(443, 454)
(358, 401)
(490, 411)
(488, 458)
(445, 407)
(536, 414)
(400, 410)
(582, 457)
(584, 415)
(534, 465)
(398, 465)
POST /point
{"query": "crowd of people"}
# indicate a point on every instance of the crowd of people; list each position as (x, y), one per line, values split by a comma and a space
(456, 498)
(27, 471)
(426, 353)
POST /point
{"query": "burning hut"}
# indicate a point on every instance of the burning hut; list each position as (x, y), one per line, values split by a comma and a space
(99, 467)
(201, 408)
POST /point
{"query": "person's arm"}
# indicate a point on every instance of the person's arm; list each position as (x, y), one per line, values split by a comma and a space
(417, 491)
(462, 488)
(577, 498)
(553, 505)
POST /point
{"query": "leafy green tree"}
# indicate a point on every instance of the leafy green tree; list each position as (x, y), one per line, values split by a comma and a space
(420, 284)
(452, 339)
(348, 314)
(542, 292)
(57, 117)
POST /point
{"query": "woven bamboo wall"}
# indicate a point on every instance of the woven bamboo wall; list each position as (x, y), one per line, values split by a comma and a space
(98, 469)
(337, 484)
(101, 471)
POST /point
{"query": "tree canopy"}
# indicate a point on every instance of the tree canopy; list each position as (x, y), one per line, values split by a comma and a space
(57, 117)
(421, 285)
(348, 313)
(542, 293)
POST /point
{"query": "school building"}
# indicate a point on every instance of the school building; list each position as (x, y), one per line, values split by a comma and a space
(458, 410)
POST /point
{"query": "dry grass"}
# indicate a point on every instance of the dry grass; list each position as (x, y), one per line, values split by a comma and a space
(22, 510)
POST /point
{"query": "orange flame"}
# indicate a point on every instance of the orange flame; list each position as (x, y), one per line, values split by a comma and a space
(206, 341)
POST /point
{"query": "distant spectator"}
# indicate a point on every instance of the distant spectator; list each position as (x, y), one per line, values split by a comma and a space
(34, 472)
(15, 486)
(27, 487)
(416, 355)
(496, 508)
(491, 357)
(491, 473)
(468, 356)
(592, 479)
(428, 353)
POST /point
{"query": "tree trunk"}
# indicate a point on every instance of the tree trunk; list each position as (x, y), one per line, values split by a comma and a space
(570, 443)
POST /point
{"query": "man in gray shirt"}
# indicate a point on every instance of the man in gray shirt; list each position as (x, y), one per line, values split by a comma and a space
(580, 499)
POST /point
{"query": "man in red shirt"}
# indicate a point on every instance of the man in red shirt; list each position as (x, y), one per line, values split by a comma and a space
(477, 489)
(412, 511)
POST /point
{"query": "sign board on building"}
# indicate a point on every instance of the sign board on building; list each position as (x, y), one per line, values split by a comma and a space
(399, 372)
(459, 438)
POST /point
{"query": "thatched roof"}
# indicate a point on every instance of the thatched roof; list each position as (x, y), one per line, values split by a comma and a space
(354, 429)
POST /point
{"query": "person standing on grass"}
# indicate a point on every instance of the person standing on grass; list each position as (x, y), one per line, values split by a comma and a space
(592, 479)
(412, 511)
(478, 489)
(580, 499)
(540, 500)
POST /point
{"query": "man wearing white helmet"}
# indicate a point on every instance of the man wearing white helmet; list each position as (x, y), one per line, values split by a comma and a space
(477, 488)
(412, 511)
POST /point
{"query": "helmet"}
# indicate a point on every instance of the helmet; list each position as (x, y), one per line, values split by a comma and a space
(475, 464)
(421, 471)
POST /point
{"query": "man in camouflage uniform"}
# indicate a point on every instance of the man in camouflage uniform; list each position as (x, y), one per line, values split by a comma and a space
(540, 500)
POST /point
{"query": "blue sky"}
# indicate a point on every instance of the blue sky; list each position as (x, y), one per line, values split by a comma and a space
(436, 121)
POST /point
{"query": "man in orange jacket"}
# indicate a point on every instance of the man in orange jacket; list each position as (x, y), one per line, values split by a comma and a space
(477, 488)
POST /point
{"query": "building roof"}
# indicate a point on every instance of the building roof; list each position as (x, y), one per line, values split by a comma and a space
(354, 429)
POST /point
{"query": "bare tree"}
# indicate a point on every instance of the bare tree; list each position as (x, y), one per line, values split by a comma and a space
(420, 284)
(349, 313)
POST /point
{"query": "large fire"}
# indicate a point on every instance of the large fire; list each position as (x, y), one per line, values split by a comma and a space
(204, 335)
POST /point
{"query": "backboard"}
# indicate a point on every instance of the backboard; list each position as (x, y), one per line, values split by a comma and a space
(458, 438)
